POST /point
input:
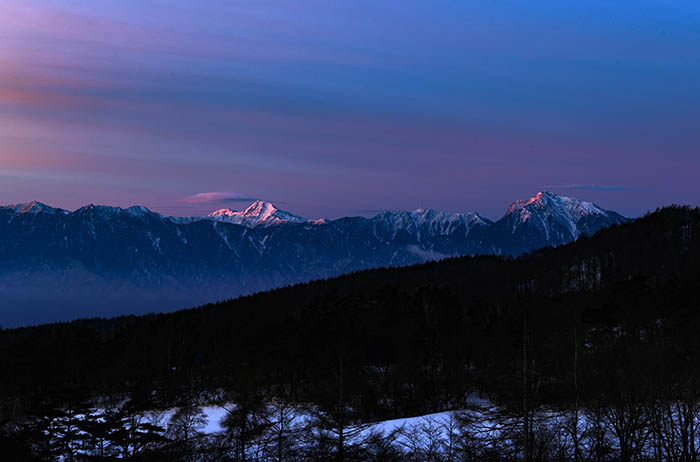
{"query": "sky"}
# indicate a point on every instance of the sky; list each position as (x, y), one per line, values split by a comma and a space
(333, 108)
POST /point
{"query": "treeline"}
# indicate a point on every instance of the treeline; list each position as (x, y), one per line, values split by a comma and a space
(588, 352)
(629, 426)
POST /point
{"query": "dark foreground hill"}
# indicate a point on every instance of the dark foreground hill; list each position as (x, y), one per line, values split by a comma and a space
(408, 340)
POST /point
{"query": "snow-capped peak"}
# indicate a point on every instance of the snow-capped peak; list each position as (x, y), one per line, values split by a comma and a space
(258, 213)
(549, 201)
(260, 209)
(137, 211)
(428, 216)
(425, 223)
(106, 211)
(34, 208)
(560, 218)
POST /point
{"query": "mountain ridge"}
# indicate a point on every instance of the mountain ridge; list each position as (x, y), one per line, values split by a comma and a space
(101, 260)
(268, 214)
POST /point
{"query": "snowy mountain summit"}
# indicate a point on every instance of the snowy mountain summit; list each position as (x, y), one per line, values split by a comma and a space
(548, 201)
(33, 208)
(557, 219)
(258, 213)
(428, 223)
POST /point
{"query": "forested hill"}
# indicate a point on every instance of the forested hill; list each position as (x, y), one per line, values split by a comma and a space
(400, 340)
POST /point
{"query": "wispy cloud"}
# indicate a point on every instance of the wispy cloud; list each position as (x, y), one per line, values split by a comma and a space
(595, 187)
(218, 198)
(427, 255)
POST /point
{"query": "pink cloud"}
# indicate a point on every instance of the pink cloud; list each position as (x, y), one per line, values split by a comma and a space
(209, 197)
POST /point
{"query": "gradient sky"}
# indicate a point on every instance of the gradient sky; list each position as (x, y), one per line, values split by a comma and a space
(333, 108)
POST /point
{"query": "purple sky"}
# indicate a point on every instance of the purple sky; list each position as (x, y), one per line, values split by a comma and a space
(343, 108)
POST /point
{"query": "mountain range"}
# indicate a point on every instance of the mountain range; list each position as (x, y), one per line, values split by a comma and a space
(101, 261)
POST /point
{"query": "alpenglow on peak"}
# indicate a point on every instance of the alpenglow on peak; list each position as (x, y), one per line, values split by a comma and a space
(548, 200)
(559, 219)
(33, 208)
(258, 213)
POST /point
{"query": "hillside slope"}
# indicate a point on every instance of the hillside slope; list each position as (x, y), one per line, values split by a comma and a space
(409, 339)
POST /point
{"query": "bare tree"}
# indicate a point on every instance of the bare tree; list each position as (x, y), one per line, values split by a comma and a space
(423, 441)
(185, 428)
(244, 424)
(284, 427)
